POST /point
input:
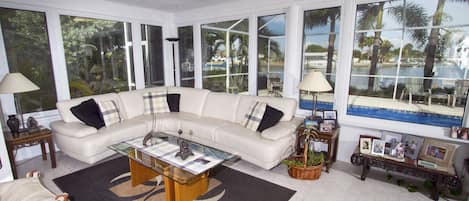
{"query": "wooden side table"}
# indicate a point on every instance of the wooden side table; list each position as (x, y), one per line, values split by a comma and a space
(27, 139)
(331, 138)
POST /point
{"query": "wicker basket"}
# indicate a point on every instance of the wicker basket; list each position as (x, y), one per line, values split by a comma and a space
(304, 172)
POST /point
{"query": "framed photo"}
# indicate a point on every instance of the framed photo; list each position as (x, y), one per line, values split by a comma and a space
(438, 152)
(311, 123)
(463, 133)
(319, 114)
(330, 122)
(377, 147)
(412, 146)
(330, 114)
(326, 128)
(365, 145)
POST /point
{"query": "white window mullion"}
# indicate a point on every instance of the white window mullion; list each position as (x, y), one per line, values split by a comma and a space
(252, 55)
(138, 56)
(197, 56)
(7, 100)
(344, 65)
(57, 51)
(293, 34)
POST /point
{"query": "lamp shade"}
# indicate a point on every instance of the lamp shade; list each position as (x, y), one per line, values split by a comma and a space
(315, 82)
(16, 83)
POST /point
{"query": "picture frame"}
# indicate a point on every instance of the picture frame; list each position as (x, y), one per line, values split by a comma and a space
(413, 145)
(309, 123)
(331, 122)
(319, 114)
(365, 145)
(326, 128)
(438, 152)
(330, 114)
(377, 147)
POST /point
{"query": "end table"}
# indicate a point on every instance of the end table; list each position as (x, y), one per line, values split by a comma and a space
(330, 138)
(26, 139)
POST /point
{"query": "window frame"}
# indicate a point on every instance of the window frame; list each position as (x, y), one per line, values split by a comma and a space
(57, 52)
(346, 50)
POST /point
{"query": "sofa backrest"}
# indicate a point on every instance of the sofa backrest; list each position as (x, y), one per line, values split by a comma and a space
(132, 101)
(221, 106)
(64, 106)
(192, 100)
(286, 105)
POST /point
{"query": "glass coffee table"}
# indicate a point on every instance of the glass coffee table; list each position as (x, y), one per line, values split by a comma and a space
(183, 179)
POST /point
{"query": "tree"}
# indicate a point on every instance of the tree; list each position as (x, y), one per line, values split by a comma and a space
(315, 48)
(372, 18)
(431, 50)
(323, 17)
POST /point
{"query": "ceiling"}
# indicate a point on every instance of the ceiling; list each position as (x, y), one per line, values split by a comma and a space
(171, 5)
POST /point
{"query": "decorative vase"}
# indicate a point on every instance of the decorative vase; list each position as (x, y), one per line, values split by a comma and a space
(14, 124)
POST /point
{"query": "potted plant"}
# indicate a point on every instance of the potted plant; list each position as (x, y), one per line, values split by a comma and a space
(308, 166)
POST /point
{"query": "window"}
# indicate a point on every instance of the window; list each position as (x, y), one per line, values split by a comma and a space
(27, 49)
(186, 56)
(320, 41)
(98, 55)
(271, 55)
(225, 56)
(152, 47)
(410, 61)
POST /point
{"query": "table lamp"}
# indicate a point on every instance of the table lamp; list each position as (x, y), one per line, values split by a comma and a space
(14, 83)
(314, 82)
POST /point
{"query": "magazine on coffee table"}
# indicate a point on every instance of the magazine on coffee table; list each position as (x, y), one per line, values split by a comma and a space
(165, 151)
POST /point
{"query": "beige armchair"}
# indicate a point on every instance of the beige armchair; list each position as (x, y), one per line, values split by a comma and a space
(28, 189)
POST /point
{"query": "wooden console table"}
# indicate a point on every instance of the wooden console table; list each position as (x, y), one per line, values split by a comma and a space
(26, 139)
(330, 138)
(439, 179)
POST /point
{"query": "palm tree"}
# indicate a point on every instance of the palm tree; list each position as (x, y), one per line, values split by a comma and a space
(372, 18)
(433, 39)
(320, 18)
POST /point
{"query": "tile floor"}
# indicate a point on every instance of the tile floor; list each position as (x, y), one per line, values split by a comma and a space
(341, 184)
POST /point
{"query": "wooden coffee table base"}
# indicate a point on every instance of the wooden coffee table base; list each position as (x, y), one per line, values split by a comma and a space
(174, 191)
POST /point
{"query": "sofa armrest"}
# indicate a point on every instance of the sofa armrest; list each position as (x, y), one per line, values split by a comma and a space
(72, 129)
(281, 130)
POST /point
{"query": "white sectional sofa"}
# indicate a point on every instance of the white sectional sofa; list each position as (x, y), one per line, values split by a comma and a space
(205, 117)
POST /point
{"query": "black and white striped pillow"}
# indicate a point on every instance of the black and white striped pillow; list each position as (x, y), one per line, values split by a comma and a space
(253, 118)
(155, 102)
(110, 112)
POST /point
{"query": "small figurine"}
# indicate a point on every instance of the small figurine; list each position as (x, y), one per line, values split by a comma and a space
(32, 124)
(184, 150)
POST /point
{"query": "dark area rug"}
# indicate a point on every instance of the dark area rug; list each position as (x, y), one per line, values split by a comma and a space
(94, 184)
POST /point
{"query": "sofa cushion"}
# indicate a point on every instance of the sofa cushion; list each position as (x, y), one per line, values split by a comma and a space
(173, 102)
(25, 189)
(155, 102)
(132, 101)
(201, 128)
(221, 106)
(64, 106)
(281, 130)
(88, 112)
(253, 117)
(286, 105)
(271, 117)
(192, 100)
(72, 129)
(110, 112)
(250, 143)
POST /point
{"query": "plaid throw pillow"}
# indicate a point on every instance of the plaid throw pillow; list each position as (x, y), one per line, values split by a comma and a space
(110, 112)
(155, 102)
(253, 118)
